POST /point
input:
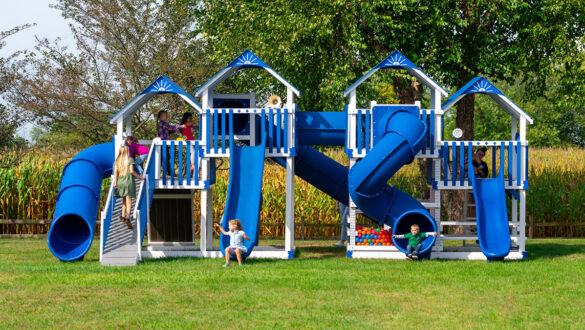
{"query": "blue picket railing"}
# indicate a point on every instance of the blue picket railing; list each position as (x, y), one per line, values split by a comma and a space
(179, 164)
(219, 130)
(359, 136)
(454, 169)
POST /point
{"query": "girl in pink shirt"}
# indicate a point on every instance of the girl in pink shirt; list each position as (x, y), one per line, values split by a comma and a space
(137, 151)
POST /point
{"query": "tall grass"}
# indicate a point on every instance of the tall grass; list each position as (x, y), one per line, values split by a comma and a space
(29, 182)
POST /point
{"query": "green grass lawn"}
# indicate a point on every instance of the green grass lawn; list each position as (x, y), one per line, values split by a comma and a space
(319, 289)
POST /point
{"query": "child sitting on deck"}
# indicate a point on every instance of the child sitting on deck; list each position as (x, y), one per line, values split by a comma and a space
(414, 240)
(237, 236)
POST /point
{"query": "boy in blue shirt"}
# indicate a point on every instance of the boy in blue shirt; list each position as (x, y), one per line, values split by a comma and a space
(414, 241)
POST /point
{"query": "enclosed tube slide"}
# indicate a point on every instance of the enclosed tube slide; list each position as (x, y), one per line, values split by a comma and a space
(73, 226)
(401, 135)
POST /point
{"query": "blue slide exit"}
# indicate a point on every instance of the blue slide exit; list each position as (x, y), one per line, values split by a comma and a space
(73, 226)
(244, 194)
(491, 211)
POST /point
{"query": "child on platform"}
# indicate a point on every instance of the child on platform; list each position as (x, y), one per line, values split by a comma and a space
(138, 152)
(414, 240)
(124, 183)
(237, 236)
(164, 128)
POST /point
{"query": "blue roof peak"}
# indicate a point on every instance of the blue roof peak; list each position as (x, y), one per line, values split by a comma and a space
(396, 60)
(247, 59)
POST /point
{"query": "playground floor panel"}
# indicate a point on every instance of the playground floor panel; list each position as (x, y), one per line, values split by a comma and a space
(320, 288)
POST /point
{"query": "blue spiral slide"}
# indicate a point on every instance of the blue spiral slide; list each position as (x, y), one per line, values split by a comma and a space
(78, 200)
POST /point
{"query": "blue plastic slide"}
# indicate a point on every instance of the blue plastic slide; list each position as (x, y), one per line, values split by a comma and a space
(401, 135)
(244, 194)
(491, 211)
(398, 137)
(73, 226)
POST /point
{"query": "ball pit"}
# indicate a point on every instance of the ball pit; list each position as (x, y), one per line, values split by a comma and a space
(373, 236)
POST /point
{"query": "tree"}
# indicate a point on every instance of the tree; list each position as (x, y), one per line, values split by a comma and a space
(10, 118)
(122, 45)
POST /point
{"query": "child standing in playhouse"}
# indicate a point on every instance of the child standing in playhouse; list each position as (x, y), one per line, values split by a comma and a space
(124, 183)
(163, 128)
(187, 123)
(237, 236)
(414, 240)
(138, 152)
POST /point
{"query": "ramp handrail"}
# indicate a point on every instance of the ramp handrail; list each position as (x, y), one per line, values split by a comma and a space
(143, 200)
(106, 218)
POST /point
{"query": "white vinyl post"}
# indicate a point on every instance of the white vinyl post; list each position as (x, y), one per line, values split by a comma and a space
(206, 210)
(351, 231)
(289, 230)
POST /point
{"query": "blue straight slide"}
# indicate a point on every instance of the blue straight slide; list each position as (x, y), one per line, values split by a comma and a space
(78, 200)
(244, 194)
(493, 229)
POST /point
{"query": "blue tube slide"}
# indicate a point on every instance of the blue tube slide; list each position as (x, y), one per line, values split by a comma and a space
(321, 128)
(73, 226)
(401, 135)
(244, 194)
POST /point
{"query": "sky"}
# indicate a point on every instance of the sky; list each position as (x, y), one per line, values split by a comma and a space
(50, 25)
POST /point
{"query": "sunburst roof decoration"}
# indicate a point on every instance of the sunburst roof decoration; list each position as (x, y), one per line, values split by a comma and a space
(246, 60)
(483, 86)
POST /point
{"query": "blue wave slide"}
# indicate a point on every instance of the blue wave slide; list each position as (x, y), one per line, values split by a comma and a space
(493, 229)
(78, 200)
(244, 194)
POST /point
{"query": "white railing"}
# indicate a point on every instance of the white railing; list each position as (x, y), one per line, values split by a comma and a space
(360, 133)
(220, 127)
(105, 222)
(456, 156)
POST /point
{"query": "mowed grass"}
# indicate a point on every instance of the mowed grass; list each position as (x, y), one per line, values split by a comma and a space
(319, 289)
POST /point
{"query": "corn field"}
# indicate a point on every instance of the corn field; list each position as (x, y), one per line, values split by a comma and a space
(29, 182)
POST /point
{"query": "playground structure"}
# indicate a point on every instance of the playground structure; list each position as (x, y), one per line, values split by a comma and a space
(378, 141)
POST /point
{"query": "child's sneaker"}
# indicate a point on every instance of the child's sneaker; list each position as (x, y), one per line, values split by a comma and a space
(227, 264)
(415, 257)
(409, 256)
(240, 265)
(339, 244)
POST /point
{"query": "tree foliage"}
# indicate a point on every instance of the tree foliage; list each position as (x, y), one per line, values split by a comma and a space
(122, 46)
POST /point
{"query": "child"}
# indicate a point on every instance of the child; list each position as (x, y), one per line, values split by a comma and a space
(164, 128)
(124, 183)
(479, 166)
(414, 241)
(138, 152)
(187, 122)
(237, 236)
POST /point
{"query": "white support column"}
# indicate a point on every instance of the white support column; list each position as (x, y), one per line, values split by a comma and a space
(514, 215)
(206, 234)
(290, 105)
(119, 140)
(351, 219)
(129, 126)
(289, 228)
(523, 149)
(351, 121)
(157, 160)
(522, 229)
(436, 105)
